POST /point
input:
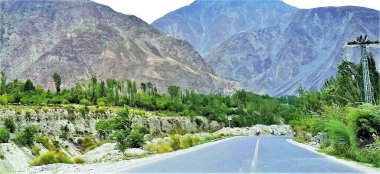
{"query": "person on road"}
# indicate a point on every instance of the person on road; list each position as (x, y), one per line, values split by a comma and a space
(257, 132)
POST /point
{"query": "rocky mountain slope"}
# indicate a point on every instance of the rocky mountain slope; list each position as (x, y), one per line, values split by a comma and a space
(206, 23)
(270, 47)
(278, 60)
(79, 39)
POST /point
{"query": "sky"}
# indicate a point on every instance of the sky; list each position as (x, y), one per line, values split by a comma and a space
(158, 8)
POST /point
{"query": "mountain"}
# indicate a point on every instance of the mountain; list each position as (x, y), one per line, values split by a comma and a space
(206, 23)
(278, 60)
(79, 39)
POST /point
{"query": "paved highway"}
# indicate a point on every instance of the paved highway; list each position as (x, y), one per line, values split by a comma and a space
(246, 155)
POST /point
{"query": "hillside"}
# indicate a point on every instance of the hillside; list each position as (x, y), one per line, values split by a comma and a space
(278, 60)
(270, 47)
(80, 39)
(206, 23)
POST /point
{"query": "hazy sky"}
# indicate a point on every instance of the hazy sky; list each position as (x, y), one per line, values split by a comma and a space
(150, 10)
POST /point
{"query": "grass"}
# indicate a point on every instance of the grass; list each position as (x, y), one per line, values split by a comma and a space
(36, 150)
(160, 147)
(78, 160)
(47, 142)
(134, 156)
(177, 142)
(51, 157)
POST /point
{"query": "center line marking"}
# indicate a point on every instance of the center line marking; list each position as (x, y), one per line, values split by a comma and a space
(255, 156)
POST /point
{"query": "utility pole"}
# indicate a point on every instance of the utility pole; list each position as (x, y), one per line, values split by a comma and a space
(363, 43)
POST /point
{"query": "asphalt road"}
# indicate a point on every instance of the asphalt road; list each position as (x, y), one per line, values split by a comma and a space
(246, 155)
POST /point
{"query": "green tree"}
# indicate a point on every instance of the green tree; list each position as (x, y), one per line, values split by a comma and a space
(143, 86)
(57, 82)
(174, 92)
(3, 84)
(4, 134)
(102, 91)
(28, 86)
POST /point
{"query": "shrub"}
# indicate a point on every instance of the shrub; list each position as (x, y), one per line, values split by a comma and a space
(36, 150)
(367, 125)
(4, 134)
(160, 147)
(342, 137)
(78, 160)
(84, 110)
(175, 142)
(135, 139)
(26, 137)
(46, 142)
(85, 102)
(187, 141)
(3, 100)
(101, 102)
(87, 143)
(45, 109)
(51, 157)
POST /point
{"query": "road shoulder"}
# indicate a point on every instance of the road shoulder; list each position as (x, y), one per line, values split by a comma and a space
(114, 167)
(360, 166)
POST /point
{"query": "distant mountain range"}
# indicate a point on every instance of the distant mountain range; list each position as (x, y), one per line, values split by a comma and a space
(206, 23)
(270, 47)
(80, 39)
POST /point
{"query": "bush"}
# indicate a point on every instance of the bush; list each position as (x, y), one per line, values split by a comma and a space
(51, 157)
(85, 102)
(160, 147)
(46, 142)
(4, 134)
(78, 160)
(26, 137)
(175, 142)
(3, 99)
(87, 143)
(10, 124)
(342, 137)
(101, 102)
(187, 141)
(135, 139)
(367, 126)
(36, 150)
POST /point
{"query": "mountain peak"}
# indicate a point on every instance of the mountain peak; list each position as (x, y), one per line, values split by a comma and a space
(206, 23)
(88, 39)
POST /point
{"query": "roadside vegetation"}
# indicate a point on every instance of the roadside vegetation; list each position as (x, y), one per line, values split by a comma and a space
(352, 127)
(177, 142)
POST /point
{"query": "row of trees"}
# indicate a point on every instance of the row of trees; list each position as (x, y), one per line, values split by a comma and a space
(246, 108)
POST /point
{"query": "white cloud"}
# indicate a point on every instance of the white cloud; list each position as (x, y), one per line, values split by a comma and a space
(150, 10)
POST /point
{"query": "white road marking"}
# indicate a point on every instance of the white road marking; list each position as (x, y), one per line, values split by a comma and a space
(255, 156)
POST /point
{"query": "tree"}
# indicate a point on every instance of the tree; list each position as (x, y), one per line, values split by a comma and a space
(57, 82)
(174, 92)
(102, 91)
(94, 81)
(120, 126)
(143, 86)
(4, 134)
(3, 83)
(28, 86)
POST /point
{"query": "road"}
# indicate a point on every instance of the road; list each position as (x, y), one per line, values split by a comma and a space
(246, 155)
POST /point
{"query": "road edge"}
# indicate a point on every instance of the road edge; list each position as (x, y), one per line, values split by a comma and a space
(359, 166)
(163, 156)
